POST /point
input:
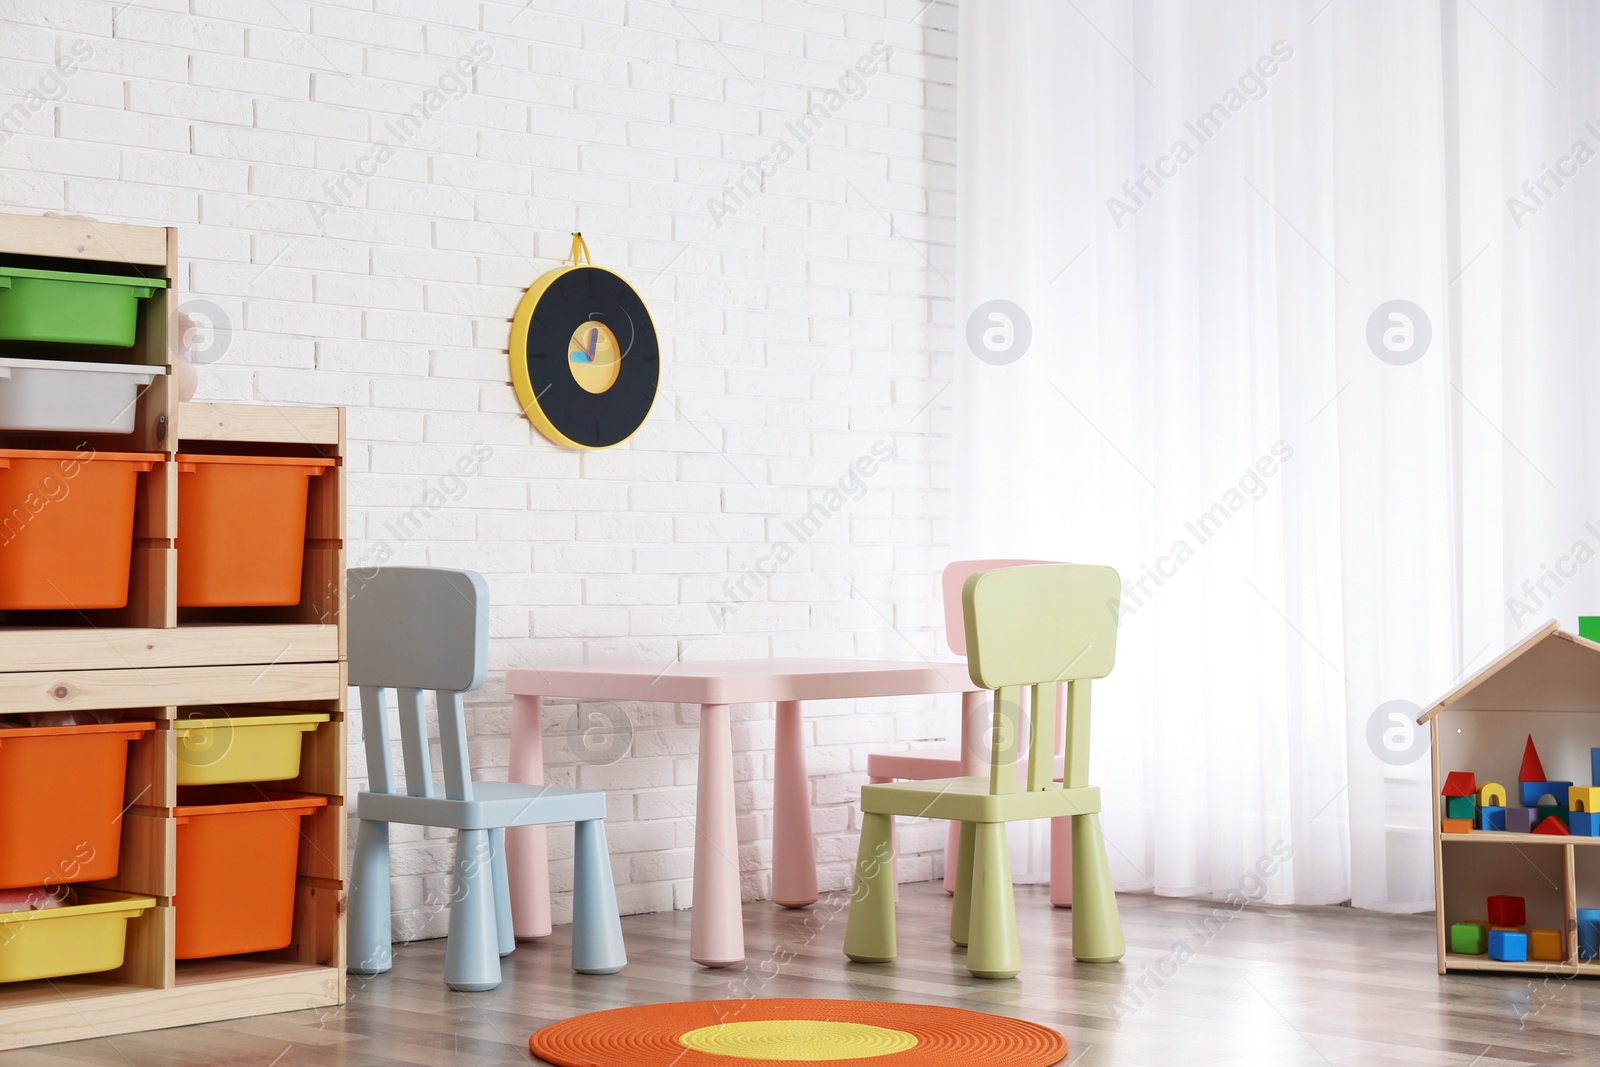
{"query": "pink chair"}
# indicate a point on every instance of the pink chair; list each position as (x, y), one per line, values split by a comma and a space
(923, 764)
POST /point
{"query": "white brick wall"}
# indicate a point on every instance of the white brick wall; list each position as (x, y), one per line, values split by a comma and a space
(813, 322)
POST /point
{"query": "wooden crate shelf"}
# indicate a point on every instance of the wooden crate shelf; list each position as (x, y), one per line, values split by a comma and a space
(151, 661)
(188, 645)
(80, 1009)
(1547, 687)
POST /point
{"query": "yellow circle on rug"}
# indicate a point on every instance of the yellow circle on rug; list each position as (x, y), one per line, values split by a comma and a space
(798, 1040)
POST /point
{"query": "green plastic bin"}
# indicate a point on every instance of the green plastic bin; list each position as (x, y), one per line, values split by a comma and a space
(77, 309)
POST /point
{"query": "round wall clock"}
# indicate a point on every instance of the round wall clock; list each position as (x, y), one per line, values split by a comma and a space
(585, 360)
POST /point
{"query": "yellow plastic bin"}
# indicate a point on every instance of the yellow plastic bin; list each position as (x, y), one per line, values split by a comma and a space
(224, 750)
(83, 939)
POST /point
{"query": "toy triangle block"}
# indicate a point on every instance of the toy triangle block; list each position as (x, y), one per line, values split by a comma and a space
(1460, 784)
(1532, 769)
(1553, 826)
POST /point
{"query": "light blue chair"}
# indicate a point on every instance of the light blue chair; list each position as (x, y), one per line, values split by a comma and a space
(416, 628)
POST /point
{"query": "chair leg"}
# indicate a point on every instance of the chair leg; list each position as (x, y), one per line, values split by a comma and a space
(993, 950)
(961, 912)
(1061, 862)
(952, 855)
(596, 928)
(1096, 928)
(869, 935)
(370, 939)
(894, 842)
(471, 954)
(505, 931)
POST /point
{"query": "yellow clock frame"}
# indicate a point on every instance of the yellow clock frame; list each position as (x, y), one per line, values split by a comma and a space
(584, 411)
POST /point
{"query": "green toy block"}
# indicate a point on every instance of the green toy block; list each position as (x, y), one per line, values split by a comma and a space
(1589, 626)
(1459, 807)
(1557, 810)
(1469, 939)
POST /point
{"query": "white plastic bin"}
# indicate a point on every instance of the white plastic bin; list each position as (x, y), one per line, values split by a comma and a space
(49, 394)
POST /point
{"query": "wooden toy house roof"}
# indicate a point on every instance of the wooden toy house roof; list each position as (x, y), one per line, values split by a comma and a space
(1551, 670)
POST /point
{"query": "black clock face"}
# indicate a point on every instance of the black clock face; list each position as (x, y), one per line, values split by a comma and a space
(590, 356)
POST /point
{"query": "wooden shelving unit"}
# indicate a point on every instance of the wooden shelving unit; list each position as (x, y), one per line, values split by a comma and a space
(1548, 686)
(153, 661)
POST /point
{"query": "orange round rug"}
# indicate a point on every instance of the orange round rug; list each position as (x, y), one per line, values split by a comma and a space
(796, 1033)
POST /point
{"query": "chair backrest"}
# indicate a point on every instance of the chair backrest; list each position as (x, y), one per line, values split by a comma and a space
(955, 576)
(410, 629)
(1038, 626)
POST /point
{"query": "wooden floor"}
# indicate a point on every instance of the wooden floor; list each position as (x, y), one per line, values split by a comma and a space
(1201, 985)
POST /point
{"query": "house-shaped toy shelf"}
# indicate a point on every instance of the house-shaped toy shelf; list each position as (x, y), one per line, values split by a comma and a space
(1546, 687)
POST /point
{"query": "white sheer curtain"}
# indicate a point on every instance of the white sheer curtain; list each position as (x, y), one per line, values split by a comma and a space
(1315, 514)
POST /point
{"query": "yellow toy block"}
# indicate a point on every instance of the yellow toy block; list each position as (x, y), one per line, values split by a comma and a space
(1492, 795)
(1546, 945)
(1458, 826)
(1583, 798)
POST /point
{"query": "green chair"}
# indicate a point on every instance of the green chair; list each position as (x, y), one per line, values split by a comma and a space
(1026, 626)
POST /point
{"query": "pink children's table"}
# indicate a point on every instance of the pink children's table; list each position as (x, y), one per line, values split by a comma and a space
(717, 925)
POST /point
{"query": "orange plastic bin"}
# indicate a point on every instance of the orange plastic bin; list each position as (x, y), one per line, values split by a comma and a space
(61, 797)
(66, 527)
(237, 853)
(242, 528)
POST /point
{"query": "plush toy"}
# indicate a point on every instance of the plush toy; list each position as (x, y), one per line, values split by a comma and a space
(187, 374)
(37, 899)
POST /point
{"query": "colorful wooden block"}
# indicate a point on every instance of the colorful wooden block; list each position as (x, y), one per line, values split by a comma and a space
(1534, 792)
(1551, 811)
(1520, 820)
(1553, 827)
(1491, 818)
(1460, 807)
(1507, 911)
(1508, 946)
(1583, 798)
(1493, 794)
(1546, 945)
(1456, 826)
(1584, 824)
(1589, 626)
(1460, 784)
(1469, 939)
(1532, 770)
(1594, 766)
(1588, 933)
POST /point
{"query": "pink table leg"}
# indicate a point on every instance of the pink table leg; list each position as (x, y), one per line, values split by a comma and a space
(974, 760)
(794, 857)
(716, 925)
(527, 858)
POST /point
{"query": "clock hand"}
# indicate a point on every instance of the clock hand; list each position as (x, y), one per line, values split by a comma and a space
(586, 354)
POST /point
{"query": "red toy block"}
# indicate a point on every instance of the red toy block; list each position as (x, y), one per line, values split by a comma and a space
(1461, 784)
(1554, 827)
(1507, 911)
(1532, 769)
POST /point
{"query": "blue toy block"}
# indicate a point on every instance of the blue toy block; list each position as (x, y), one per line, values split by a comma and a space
(1594, 766)
(1521, 820)
(1492, 818)
(1508, 946)
(1588, 933)
(1533, 791)
(1584, 823)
